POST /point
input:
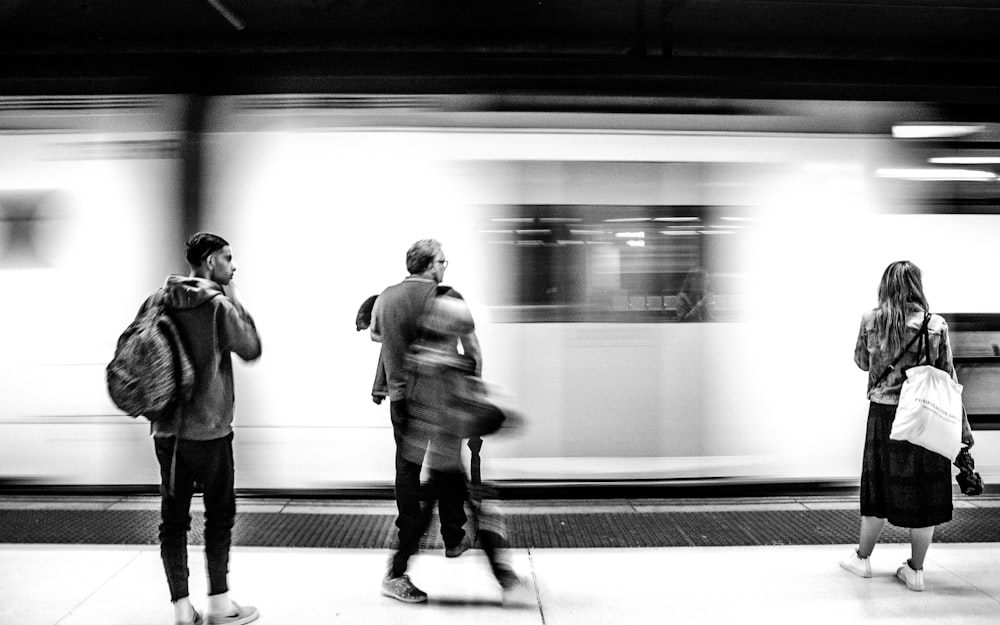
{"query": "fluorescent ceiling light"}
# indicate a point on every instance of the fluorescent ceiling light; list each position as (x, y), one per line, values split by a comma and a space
(936, 174)
(679, 233)
(622, 220)
(933, 131)
(677, 219)
(965, 160)
(631, 235)
(635, 243)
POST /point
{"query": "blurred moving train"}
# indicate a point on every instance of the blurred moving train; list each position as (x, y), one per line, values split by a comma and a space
(570, 226)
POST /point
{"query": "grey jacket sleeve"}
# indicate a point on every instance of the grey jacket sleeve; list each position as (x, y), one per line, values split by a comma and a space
(861, 347)
(238, 332)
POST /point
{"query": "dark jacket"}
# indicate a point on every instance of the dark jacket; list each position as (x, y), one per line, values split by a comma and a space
(212, 326)
(394, 324)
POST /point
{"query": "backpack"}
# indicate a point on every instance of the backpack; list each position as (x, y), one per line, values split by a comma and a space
(151, 370)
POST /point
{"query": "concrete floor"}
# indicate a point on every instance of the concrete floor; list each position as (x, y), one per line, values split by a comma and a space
(99, 585)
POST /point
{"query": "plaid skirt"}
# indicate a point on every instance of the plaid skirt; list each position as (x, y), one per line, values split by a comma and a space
(902, 482)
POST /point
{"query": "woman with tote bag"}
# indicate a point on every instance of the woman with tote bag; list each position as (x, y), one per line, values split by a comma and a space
(903, 483)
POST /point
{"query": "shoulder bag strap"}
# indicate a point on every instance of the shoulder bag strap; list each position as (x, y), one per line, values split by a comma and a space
(920, 334)
(925, 336)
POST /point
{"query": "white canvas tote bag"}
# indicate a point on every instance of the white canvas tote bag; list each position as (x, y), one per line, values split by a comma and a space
(930, 411)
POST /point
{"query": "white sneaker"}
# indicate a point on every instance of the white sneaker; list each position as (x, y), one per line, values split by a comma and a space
(913, 579)
(862, 567)
(241, 615)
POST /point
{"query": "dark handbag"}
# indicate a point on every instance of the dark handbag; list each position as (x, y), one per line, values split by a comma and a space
(472, 411)
(969, 481)
(444, 389)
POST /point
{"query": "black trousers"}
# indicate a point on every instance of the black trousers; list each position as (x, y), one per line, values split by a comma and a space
(447, 489)
(210, 464)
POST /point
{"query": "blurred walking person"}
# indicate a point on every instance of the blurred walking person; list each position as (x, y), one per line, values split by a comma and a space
(448, 402)
(195, 444)
(900, 482)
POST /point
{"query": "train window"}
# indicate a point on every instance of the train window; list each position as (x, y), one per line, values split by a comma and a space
(592, 263)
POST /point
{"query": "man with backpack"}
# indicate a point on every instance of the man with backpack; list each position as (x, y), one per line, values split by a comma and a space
(194, 438)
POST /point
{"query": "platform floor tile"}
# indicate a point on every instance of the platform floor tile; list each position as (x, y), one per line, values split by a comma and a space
(110, 585)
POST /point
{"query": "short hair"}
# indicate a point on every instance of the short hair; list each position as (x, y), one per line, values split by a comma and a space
(421, 254)
(201, 245)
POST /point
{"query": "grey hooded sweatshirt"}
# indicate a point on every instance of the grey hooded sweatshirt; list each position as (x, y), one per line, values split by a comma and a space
(212, 326)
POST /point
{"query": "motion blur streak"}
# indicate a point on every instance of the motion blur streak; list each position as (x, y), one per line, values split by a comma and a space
(582, 240)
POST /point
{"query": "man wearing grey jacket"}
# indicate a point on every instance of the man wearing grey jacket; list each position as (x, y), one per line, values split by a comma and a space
(195, 443)
(395, 322)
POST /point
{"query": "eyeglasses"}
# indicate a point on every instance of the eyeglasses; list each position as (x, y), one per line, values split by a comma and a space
(443, 263)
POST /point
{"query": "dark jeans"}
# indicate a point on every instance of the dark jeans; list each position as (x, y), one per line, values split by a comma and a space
(210, 464)
(448, 489)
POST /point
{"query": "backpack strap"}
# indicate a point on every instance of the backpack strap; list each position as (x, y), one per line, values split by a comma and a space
(175, 341)
(922, 334)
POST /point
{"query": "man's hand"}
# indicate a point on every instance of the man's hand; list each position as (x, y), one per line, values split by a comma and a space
(230, 291)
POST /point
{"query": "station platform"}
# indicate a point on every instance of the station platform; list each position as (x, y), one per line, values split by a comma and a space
(730, 564)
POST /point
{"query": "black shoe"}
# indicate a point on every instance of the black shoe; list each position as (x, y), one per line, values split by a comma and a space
(459, 549)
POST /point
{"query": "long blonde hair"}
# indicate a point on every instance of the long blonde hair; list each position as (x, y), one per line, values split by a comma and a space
(901, 287)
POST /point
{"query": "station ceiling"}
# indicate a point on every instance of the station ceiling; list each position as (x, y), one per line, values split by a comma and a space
(941, 50)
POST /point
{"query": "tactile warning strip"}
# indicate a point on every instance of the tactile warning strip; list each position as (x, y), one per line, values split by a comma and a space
(556, 530)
